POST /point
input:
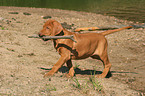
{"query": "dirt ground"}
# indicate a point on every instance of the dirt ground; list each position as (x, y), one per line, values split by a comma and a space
(23, 60)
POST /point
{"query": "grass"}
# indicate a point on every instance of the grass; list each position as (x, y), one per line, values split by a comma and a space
(48, 88)
(2, 28)
(76, 66)
(90, 84)
(5, 94)
(96, 84)
(78, 85)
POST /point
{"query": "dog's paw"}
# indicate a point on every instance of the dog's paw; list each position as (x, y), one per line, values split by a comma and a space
(101, 76)
(68, 75)
(47, 75)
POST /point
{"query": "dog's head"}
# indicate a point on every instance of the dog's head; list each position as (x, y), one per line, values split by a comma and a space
(51, 28)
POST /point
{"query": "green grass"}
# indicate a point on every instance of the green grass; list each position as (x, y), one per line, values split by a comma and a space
(76, 66)
(96, 84)
(78, 85)
(90, 84)
(48, 88)
(2, 28)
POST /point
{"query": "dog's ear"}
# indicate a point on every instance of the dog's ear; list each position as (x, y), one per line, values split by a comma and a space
(57, 28)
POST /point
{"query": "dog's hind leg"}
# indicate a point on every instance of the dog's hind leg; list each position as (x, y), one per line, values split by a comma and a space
(107, 65)
(101, 54)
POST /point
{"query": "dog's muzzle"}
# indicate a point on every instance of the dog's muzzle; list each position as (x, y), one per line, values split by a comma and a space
(41, 36)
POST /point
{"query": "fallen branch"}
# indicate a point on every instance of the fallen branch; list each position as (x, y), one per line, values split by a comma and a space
(86, 29)
(53, 37)
(95, 28)
(107, 28)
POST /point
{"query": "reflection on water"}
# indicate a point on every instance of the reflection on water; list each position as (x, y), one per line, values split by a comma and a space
(125, 9)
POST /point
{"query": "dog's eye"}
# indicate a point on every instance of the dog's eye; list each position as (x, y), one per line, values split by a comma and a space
(47, 27)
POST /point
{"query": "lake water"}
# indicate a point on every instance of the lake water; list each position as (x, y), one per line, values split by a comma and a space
(133, 10)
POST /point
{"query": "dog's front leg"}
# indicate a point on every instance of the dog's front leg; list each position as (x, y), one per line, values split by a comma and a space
(71, 69)
(59, 63)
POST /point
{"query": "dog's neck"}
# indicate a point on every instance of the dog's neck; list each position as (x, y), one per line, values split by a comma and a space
(62, 33)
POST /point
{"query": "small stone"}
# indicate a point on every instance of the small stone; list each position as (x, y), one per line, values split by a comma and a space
(46, 17)
(14, 19)
(25, 13)
(20, 55)
(18, 22)
(13, 13)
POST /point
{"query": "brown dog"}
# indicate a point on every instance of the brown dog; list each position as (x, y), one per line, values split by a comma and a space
(92, 45)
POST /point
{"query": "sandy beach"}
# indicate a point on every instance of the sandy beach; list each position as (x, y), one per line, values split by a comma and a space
(24, 60)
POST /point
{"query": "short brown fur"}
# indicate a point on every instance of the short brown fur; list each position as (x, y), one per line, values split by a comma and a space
(92, 45)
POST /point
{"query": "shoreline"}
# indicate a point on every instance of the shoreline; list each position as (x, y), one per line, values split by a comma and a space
(128, 18)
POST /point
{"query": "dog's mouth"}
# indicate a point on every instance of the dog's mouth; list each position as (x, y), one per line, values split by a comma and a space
(43, 37)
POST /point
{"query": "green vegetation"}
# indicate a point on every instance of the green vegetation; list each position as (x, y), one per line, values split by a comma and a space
(76, 66)
(91, 84)
(78, 85)
(48, 88)
(96, 84)
(2, 28)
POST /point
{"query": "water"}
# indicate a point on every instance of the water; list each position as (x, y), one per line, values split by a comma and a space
(133, 10)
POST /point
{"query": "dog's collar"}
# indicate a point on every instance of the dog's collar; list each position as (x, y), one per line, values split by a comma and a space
(60, 34)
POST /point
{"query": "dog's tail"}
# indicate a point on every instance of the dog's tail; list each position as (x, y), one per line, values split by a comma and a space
(115, 30)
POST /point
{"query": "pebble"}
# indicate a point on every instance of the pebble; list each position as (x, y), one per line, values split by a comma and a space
(46, 17)
(25, 13)
(13, 12)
